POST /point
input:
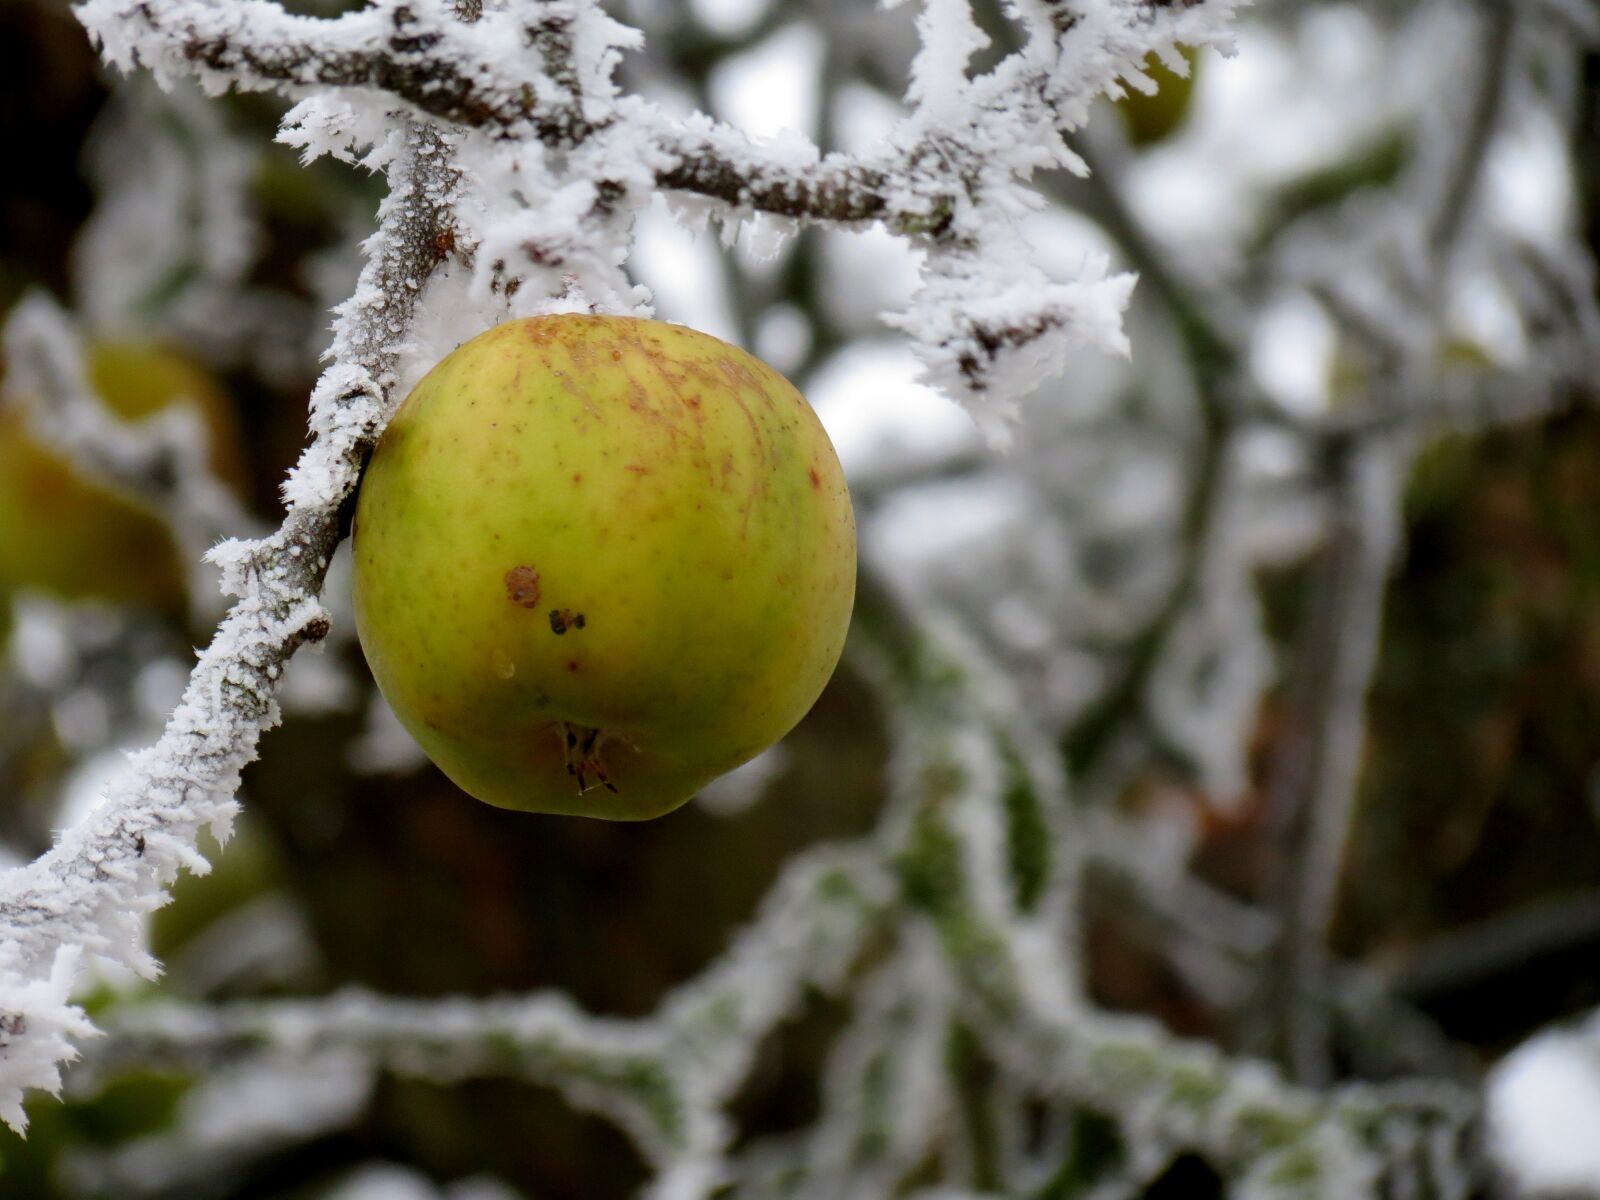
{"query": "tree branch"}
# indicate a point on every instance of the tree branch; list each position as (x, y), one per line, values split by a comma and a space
(416, 52)
(1312, 789)
(90, 889)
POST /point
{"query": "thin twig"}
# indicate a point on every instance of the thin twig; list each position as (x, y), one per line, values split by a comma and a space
(1499, 45)
(1312, 786)
(1215, 360)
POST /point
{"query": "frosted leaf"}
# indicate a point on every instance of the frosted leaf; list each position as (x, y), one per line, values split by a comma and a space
(160, 463)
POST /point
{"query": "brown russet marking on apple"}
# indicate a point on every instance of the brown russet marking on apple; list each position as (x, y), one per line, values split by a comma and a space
(756, 437)
(739, 375)
(522, 586)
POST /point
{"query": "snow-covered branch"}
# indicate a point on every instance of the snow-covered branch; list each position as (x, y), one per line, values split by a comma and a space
(1314, 778)
(89, 892)
(663, 1079)
(1172, 1096)
(952, 176)
(997, 962)
(530, 73)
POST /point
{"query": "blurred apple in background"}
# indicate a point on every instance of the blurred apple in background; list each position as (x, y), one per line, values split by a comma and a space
(77, 538)
(1151, 119)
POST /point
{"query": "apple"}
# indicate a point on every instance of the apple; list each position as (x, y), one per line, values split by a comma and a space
(599, 561)
(68, 534)
(1149, 119)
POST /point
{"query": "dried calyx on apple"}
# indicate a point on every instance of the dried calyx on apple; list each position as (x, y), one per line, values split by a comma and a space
(599, 561)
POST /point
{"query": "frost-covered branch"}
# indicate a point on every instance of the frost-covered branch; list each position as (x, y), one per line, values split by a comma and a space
(520, 72)
(1459, 186)
(663, 1079)
(1174, 1096)
(1223, 946)
(952, 175)
(88, 893)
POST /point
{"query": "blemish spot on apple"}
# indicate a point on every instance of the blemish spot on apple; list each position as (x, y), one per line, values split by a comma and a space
(522, 586)
(563, 619)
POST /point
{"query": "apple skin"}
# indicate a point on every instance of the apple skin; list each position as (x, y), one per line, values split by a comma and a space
(599, 561)
(64, 533)
(1152, 119)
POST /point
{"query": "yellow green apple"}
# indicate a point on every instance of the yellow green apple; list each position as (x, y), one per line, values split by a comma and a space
(599, 561)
